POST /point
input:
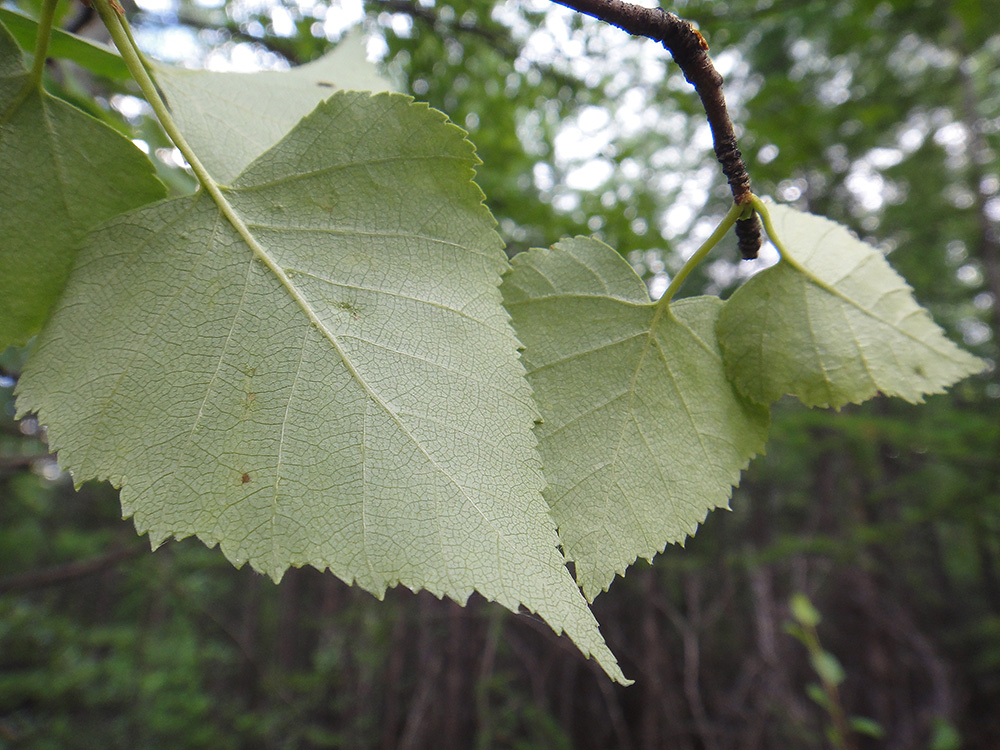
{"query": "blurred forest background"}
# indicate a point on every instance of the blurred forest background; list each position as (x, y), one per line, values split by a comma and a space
(882, 115)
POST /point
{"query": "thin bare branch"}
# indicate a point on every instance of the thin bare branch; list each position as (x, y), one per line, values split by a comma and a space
(67, 572)
(690, 51)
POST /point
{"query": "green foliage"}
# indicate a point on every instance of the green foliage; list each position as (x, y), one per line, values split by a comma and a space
(231, 119)
(64, 173)
(88, 54)
(314, 367)
(833, 324)
(944, 737)
(641, 433)
(324, 402)
(831, 674)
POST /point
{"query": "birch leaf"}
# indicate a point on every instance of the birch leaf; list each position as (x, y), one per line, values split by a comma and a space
(232, 118)
(832, 323)
(63, 173)
(324, 376)
(641, 432)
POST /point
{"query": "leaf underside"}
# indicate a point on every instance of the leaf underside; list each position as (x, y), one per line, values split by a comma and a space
(337, 386)
(833, 323)
(641, 432)
(63, 173)
(230, 119)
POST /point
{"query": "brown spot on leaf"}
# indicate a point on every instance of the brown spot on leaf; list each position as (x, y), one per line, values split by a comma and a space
(355, 312)
(245, 478)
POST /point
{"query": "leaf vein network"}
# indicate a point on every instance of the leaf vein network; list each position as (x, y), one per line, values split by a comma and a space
(587, 352)
(681, 397)
(102, 412)
(353, 232)
(396, 295)
(596, 407)
(630, 416)
(58, 159)
(279, 458)
(394, 416)
(814, 340)
(306, 175)
(414, 357)
(225, 345)
(826, 287)
(861, 351)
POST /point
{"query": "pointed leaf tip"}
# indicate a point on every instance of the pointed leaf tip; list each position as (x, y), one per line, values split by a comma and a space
(330, 381)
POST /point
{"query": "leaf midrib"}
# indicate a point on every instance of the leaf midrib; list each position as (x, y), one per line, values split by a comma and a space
(230, 213)
(816, 281)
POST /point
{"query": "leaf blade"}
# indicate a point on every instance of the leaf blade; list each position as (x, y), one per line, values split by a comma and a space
(232, 118)
(64, 172)
(833, 323)
(339, 387)
(95, 57)
(668, 437)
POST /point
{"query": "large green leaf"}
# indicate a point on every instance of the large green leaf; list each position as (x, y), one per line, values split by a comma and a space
(334, 384)
(642, 434)
(232, 118)
(833, 323)
(63, 172)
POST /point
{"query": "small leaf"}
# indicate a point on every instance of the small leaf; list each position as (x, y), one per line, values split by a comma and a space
(86, 53)
(833, 324)
(796, 632)
(230, 119)
(818, 695)
(803, 610)
(869, 727)
(944, 736)
(827, 667)
(63, 173)
(641, 434)
(329, 379)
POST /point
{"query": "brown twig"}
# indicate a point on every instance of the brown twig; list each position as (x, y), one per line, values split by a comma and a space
(690, 51)
(67, 572)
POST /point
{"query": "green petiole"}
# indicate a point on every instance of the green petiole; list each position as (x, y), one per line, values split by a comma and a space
(48, 13)
(34, 80)
(735, 212)
(761, 208)
(117, 27)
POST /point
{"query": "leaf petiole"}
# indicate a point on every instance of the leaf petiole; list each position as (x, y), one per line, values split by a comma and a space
(735, 212)
(34, 80)
(128, 32)
(45, 19)
(761, 208)
(117, 27)
(765, 216)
